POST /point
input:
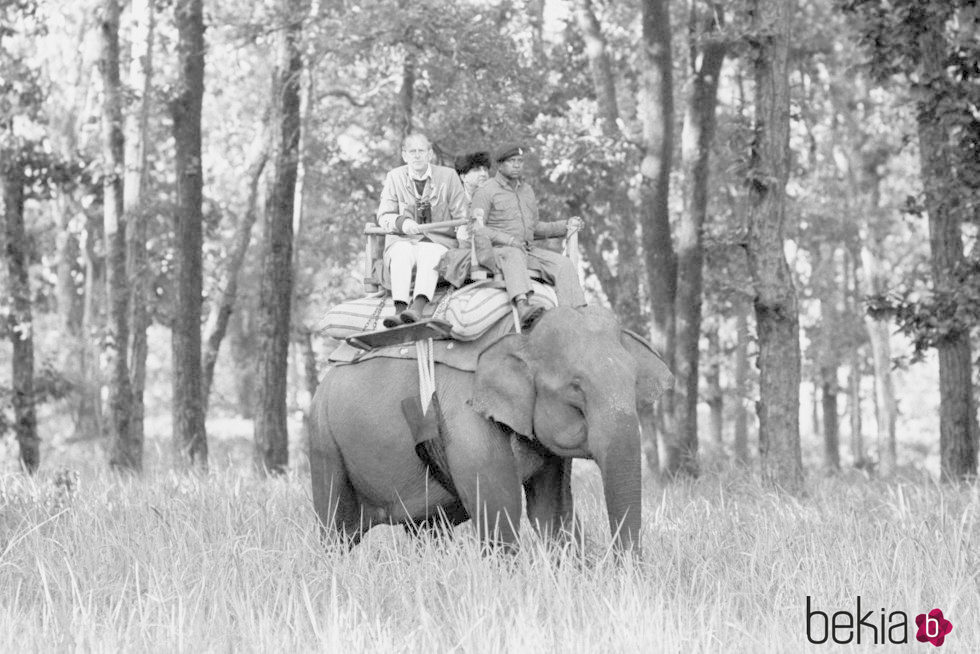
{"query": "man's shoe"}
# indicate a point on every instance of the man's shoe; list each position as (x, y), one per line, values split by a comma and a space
(408, 316)
(392, 321)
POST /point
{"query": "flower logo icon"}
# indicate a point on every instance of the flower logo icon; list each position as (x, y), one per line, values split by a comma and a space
(933, 627)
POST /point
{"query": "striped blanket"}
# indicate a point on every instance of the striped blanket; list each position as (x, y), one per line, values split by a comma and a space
(471, 310)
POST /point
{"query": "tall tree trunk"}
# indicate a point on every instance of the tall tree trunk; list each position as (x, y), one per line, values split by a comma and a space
(656, 102)
(696, 139)
(853, 292)
(125, 451)
(89, 422)
(224, 303)
(776, 311)
(271, 436)
(243, 343)
(854, 411)
(879, 331)
(71, 363)
(20, 321)
(137, 125)
(712, 379)
(68, 213)
(831, 430)
(190, 439)
(741, 437)
(958, 429)
(67, 253)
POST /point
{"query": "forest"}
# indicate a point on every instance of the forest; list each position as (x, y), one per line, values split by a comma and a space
(783, 202)
(781, 196)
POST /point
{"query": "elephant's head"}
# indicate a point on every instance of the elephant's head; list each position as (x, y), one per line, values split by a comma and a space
(573, 384)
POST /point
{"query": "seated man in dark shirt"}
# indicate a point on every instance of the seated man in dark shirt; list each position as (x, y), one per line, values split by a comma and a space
(505, 210)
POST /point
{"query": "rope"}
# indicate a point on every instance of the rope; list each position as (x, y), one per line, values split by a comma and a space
(372, 323)
(427, 372)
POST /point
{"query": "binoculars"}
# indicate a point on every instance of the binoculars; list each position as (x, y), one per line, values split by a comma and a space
(423, 212)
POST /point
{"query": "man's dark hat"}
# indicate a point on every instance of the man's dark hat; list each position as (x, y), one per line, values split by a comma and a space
(464, 163)
(507, 151)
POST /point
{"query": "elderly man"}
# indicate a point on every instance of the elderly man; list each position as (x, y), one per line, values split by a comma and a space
(416, 194)
(505, 210)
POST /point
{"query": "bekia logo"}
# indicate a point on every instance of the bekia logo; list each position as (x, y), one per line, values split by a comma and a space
(933, 627)
(873, 627)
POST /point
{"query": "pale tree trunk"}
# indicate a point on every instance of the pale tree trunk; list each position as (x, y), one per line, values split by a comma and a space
(90, 419)
(125, 451)
(741, 436)
(879, 332)
(712, 379)
(20, 322)
(696, 139)
(243, 343)
(858, 448)
(831, 430)
(271, 435)
(136, 128)
(854, 411)
(73, 353)
(776, 311)
(957, 412)
(656, 108)
(815, 413)
(224, 303)
(190, 440)
(827, 287)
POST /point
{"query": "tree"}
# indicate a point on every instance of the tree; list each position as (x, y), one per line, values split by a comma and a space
(657, 102)
(224, 303)
(707, 54)
(623, 288)
(933, 45)
(957, 413)
(188, 412)
(126, 452)
(20, 321)
(776, 312)
(134, 193)
(271, 435)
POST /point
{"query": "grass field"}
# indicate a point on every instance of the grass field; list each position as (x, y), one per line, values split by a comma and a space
(231, 562)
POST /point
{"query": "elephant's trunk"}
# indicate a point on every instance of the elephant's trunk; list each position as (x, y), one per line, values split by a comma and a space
(615, 444)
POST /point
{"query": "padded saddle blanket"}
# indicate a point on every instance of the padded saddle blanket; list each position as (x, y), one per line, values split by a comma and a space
(461, 355)
(471, 310)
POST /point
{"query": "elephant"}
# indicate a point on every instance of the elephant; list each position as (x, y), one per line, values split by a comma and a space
(572, 386)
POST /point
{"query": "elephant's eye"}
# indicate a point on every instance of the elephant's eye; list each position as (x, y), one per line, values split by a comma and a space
(574, 394)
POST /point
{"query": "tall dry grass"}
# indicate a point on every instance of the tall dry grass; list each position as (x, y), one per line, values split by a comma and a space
(230, 562)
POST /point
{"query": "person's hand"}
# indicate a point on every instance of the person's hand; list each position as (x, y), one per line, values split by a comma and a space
(410, 227)
(573, 224)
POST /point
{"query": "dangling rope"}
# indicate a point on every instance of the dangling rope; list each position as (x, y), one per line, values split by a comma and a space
(427, 372)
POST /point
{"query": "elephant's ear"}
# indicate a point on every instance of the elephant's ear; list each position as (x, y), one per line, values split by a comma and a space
(504, 386)
(653, 377)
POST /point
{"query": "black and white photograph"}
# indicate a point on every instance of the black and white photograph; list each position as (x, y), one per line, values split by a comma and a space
(489, 326)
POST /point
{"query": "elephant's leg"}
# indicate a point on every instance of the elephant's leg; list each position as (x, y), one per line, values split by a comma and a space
(484, 472)
(336, 504)
(549, 501)
(334, 498)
